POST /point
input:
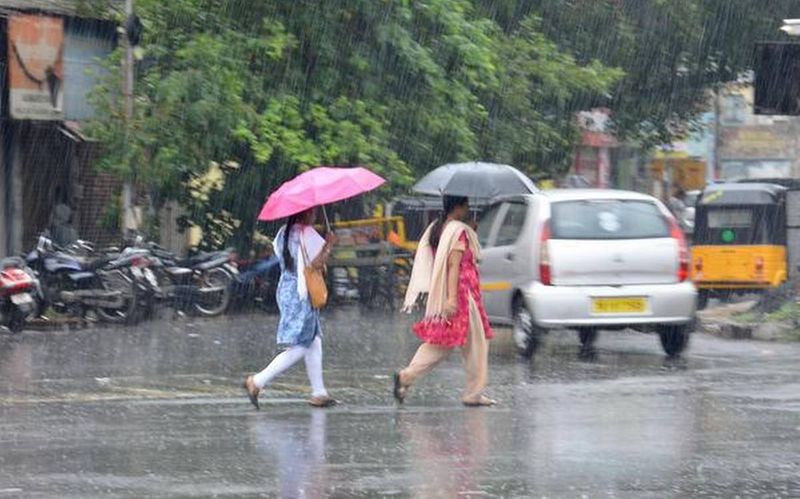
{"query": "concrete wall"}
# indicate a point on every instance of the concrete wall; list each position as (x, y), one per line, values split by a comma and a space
(793, 231)
(752, 146)
(84, 47)
(3, 191)
(15, 213)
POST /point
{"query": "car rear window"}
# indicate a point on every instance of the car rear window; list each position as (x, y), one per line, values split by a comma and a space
(607, 219)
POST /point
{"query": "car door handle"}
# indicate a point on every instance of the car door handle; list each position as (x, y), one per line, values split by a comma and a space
(510, 257)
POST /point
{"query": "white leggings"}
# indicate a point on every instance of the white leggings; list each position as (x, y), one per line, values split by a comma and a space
(289, 357)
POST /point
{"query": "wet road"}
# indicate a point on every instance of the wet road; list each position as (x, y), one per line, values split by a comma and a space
(156, 411)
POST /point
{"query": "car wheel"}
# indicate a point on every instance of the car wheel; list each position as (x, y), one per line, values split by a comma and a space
(527, 336)
(702, 299)
(674, 339)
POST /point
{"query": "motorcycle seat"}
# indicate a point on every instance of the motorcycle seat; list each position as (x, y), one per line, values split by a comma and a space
(198, 259)
(80, 276)
(13, 262)
(97, 263)
(178, 271)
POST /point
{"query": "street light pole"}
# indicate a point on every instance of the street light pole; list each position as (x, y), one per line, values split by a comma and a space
(128, 219)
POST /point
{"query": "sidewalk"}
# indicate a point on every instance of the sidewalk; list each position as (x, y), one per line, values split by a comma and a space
(742, 321)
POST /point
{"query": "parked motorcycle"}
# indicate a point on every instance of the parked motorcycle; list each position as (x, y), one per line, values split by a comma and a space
(76, 284)
(200, 284)
(18, 288)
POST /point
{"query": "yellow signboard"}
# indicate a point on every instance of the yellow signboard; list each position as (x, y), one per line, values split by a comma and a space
(687, 173)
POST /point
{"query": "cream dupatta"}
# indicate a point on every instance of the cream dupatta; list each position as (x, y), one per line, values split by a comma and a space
(429, 274)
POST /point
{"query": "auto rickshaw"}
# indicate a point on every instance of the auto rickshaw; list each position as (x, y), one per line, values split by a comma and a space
(740, 239)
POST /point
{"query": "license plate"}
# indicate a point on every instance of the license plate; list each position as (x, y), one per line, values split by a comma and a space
(627, 305)
(22, 299)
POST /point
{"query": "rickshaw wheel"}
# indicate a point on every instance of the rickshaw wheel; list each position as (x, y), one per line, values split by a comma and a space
(702, 299)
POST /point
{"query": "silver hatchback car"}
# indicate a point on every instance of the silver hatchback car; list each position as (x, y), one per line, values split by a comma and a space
(586, 259)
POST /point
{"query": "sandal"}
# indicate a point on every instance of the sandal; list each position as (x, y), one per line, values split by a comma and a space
(399, 390)
(252, 391)
(482, 401)
(322, 401)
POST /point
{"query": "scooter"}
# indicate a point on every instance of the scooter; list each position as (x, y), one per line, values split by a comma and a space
(17, 289)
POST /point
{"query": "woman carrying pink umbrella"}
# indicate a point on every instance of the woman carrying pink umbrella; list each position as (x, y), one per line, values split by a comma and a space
(298, 246)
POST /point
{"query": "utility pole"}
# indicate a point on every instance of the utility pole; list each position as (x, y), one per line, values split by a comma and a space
(128, 218)
(717, 133)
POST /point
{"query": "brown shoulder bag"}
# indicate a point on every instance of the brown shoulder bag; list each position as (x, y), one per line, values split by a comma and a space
(315, 281)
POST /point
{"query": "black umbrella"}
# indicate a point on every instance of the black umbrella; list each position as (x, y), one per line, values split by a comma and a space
(475, 180)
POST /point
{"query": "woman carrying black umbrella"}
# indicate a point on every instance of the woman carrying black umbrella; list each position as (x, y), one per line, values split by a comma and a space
(445, 267)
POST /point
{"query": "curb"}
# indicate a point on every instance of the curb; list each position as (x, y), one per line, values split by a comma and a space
(760, 331)
(727, 329)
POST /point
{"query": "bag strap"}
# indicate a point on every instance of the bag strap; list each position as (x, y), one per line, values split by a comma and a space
(303, 248)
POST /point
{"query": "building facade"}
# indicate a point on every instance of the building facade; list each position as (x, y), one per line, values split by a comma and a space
(750, 145)
(49, 64)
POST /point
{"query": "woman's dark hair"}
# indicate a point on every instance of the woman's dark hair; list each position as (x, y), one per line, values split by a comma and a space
(449, 203)
(288, 261)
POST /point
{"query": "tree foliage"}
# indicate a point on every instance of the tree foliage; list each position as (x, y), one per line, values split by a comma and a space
(272, 88)
(672, 52)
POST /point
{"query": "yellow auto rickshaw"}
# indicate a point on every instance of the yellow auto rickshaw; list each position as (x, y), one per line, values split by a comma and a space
(740, 239)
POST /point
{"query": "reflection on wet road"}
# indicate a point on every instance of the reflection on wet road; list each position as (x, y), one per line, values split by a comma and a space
(157, 411)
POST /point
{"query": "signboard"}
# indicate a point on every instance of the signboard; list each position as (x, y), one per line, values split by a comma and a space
(733, 110)
(757, 142)
(36, 67)
(595, 128)
(754, 168)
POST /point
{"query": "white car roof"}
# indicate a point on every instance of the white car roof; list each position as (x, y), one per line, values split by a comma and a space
(581, 194)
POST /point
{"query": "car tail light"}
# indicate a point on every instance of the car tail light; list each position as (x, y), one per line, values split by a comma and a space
(683, 251)
(698, 265)
(545, 276)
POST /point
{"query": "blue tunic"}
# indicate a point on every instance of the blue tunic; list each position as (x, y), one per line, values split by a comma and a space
(299, 323)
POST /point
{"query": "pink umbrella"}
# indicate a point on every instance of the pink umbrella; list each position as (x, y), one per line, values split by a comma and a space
(318, 187)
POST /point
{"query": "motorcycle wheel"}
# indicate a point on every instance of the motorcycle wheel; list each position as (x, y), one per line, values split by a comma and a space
(118, 281)
(265, 297)
(213, 304)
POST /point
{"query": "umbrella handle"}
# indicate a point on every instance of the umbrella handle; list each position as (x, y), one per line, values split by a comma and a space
(327, 222)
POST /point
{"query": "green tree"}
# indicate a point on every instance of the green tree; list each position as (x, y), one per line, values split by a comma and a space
(672, 52)
(272, 88)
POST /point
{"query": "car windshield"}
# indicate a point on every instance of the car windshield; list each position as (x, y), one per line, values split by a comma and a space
(608, 219)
